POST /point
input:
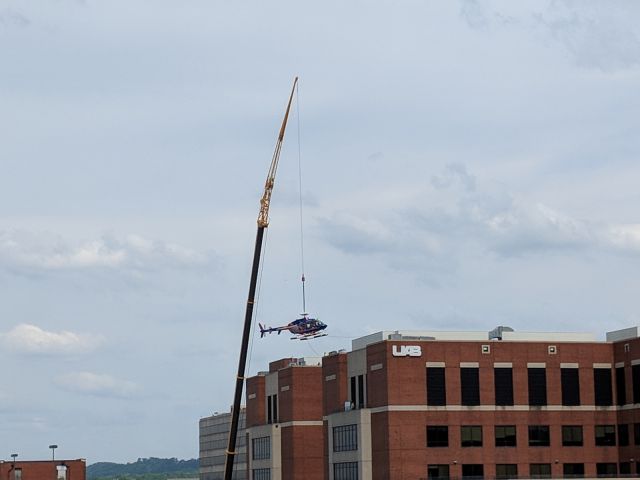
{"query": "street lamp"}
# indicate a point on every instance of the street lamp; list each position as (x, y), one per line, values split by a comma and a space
(13, 456)
(53, 451)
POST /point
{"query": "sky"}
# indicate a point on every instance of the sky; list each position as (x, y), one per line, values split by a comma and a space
(464, 164)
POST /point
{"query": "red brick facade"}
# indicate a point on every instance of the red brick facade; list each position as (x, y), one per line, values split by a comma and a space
(393, 444)
(42, 470)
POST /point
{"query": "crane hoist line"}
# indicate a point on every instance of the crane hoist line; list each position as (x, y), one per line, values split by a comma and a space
(263, 223)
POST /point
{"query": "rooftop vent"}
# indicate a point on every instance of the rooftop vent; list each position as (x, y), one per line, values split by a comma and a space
(496, 333)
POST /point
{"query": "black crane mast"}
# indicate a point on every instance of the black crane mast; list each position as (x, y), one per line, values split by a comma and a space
(263, 223)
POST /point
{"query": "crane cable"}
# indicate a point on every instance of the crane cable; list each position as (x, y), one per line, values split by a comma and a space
(266, 241)
(304, 298)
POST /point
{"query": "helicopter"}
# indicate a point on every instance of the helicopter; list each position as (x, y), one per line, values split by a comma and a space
(303, 328)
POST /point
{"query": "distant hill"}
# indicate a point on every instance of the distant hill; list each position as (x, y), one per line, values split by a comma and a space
(144, 469)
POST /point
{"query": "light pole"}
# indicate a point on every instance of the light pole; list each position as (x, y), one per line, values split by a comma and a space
(53, 451)
(14, 456)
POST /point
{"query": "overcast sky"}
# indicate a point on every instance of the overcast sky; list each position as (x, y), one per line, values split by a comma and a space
(465, 164)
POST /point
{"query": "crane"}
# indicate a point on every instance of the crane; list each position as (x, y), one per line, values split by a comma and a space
(263, 223)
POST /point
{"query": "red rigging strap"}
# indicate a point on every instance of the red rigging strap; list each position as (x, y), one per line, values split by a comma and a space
(265, 201)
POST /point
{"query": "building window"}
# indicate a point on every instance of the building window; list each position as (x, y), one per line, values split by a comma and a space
(573, 470)
(436, 389)
(272, 409)
(345, 438)
(471, 435)
(506, 470)
(605, 435)
(635, 377)
(606, 469)
(261, 474)
(17, 474)
(357, 390)
(602, 386)
(505, 435)
(621, 386)
(345, 471)
(570, 383)
(437, 436)
(572, 436)
(538, 435)
(636, 435)
(623, 435)
(625, 469)
(540, 470)
(503, 385)
(470, 386)
(261, 448)
(537, 386)
(438, 472)
(472, 470)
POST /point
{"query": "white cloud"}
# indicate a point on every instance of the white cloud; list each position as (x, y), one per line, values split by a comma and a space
(100, 385)
(46, 252)
(13, 18)
(459, 213)
(596, 34)
(604, 36)
(30, 339)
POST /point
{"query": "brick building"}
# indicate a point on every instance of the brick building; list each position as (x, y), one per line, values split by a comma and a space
(415, 405)
(43, 470)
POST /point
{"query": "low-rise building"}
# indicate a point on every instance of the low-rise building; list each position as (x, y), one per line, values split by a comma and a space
(214, 437)
(416, 405)
(43, 470)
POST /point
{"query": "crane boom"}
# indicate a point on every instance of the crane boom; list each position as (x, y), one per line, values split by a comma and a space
(263, 222)
(265, 201)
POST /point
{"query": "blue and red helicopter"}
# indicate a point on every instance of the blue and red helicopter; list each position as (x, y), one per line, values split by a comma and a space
(303, 328)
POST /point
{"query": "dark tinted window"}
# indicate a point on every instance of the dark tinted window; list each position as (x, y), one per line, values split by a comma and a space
(261, 474)
(570, 386)
(470, 386)
(625, 468)
(437, 436)
(621, 386)
(261, 448)
(636, 434)
(275, 407)
(472, 471)
(538, 435)
(361, 391)
(623, 435)
(537, 386)
(508, 470)
(503, 384)
(635, 377)
(505, 435)
(606, 469)
(573, 470)
(438, 472)
(602, 386)
(605, 435)
(272, 409)
(352, 391)
(345, 471)
(572, 436)
(436, 390)
(540, 470)
(345, 438)
(471, 436)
